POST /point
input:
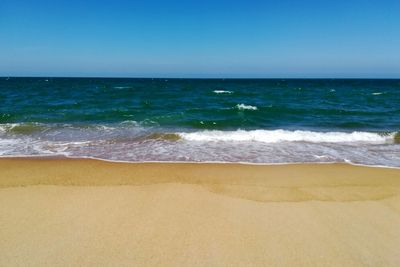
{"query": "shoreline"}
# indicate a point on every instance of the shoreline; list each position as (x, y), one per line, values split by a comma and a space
(197, 170)
(85, 212)
(63, 157)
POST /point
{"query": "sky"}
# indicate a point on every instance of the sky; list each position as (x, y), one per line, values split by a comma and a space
(208, 38)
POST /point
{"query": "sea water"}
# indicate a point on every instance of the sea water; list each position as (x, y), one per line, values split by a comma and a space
(203, 120)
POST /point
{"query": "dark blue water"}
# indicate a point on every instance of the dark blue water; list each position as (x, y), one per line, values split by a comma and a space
(263, 121)
(205, 104)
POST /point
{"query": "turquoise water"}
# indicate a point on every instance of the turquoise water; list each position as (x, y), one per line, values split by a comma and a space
(261, 121)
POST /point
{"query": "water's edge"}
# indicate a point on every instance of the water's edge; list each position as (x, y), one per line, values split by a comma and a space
(61, 157)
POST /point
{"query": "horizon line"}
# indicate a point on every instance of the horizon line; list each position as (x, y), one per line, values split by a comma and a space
(205, 78)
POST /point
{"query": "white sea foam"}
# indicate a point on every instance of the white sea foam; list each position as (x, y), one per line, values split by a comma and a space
(256, 147)
(81, 143)
(126, 143)
(245, 107)
(4, 142)
(222, 92)
(130, 123)
(377, 93)
(276, 136)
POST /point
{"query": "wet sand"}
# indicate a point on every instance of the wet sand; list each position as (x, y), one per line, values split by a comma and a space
(59, 212)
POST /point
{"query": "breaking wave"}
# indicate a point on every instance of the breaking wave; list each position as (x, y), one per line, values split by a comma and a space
(276, 136)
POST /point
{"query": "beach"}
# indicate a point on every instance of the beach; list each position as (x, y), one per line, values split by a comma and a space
(200, 133)
(84, 212)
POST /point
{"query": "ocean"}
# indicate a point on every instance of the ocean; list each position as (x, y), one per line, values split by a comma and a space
(203, 120)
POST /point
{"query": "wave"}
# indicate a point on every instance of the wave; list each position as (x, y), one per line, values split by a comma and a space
(23, 128)
(28, 128)
(276, 136)
(222, 92)
(127, 142)
(122, 87)
(245, 107)
(134, 129)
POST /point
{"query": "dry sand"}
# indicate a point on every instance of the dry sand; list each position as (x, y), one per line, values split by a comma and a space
(56, 212)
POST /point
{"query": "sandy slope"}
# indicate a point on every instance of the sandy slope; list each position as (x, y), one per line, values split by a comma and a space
(94, 213)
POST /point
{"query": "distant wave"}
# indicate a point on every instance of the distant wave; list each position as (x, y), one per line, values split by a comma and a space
(275, 136)
(245, 107)
(122, 87)
(222, 92)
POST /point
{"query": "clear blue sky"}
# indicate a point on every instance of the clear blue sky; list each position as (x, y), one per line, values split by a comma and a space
(342, 38)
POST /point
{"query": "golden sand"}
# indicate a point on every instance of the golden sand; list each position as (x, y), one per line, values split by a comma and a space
(57, 212)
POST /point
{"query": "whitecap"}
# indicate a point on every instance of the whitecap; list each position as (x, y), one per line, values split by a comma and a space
(222, 92)
(245, 107)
